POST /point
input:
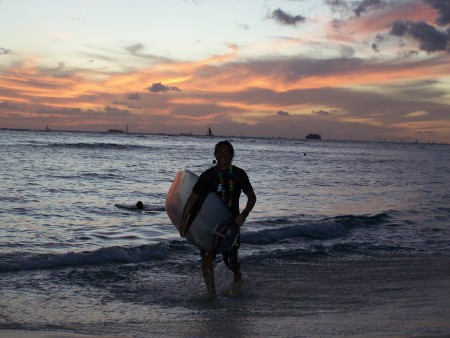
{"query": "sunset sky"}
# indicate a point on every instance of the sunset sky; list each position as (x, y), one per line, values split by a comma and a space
(360, 70)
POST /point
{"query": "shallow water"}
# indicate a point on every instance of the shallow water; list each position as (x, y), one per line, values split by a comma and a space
(346, 238)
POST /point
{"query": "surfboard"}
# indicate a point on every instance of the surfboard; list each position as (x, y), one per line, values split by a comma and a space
(131, 207)
(213, 229)
(146, 208)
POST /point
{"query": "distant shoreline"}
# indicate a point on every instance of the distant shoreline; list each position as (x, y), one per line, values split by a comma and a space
(226, 136)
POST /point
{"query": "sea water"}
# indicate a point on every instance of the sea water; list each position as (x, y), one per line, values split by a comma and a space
(346, 238)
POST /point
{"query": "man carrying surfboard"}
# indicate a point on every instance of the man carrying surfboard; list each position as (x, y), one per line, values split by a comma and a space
(227, 181)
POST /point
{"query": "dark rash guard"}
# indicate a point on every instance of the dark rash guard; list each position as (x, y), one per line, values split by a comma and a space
(227, 184)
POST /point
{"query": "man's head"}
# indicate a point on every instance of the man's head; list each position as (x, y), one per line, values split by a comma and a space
(224, 153)
(226, 143)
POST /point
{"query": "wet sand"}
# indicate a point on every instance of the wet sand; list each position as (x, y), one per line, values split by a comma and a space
(379, 297)
(47, 334)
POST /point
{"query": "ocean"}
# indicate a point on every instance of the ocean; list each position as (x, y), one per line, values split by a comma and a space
(346, 239)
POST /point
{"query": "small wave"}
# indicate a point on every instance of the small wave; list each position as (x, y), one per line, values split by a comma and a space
(297, 226)
(315, 230)
(362, 220)
(98, 257)
(101, 176)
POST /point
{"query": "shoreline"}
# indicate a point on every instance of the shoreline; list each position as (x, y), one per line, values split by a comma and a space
(13, 333)
(388, 297)
(65, 334)
(181, 134)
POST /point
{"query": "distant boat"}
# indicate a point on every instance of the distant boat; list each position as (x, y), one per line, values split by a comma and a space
(119, 130)
(209, 132)
(311, 136)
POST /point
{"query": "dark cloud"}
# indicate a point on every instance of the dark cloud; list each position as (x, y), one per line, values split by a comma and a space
(6, 106)
(321, 112)
(430, 39)
(243, 26)
(427, 132)
(399, 28)
(137, 50)
(367, 5)
(284, 18)
(198, 110)
(357, 8)
(294, 69)
(134, 49)
(133, 96)
(159, 88)
(409, 53)
(4, 51)
(443, 8)
(107, 111)
(113, 111)
(337, 5)
(282, 113)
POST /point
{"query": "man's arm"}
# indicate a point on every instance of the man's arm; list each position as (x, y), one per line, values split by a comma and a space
(186, 213)
(251, 200)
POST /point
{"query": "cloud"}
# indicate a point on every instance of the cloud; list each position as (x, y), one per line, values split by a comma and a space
(321, 112)
(430, 39)
(137, 51)
(134, 49)
(427, 132)
(347, 51)
(243, 26)
(159, 87)
(107, 111)
(443, 8)
(366, 5)
(6, 106)
(347, 8)
(113, 111)
(133, 96)
(286, 19)
(337, 5)
(4, 51)
(282, 113)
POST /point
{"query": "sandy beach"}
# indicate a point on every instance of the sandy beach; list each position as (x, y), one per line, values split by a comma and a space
(48, 334)
(394, 299)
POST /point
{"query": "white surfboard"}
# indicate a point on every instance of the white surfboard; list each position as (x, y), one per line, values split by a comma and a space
(146, 208)
(213, 229)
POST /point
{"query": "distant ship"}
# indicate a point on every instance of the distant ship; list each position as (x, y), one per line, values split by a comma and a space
(119, 130)
(311, 136)
(209, 132)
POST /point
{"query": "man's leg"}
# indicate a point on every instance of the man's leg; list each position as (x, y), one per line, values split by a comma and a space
(208, 271)
(232, 262)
